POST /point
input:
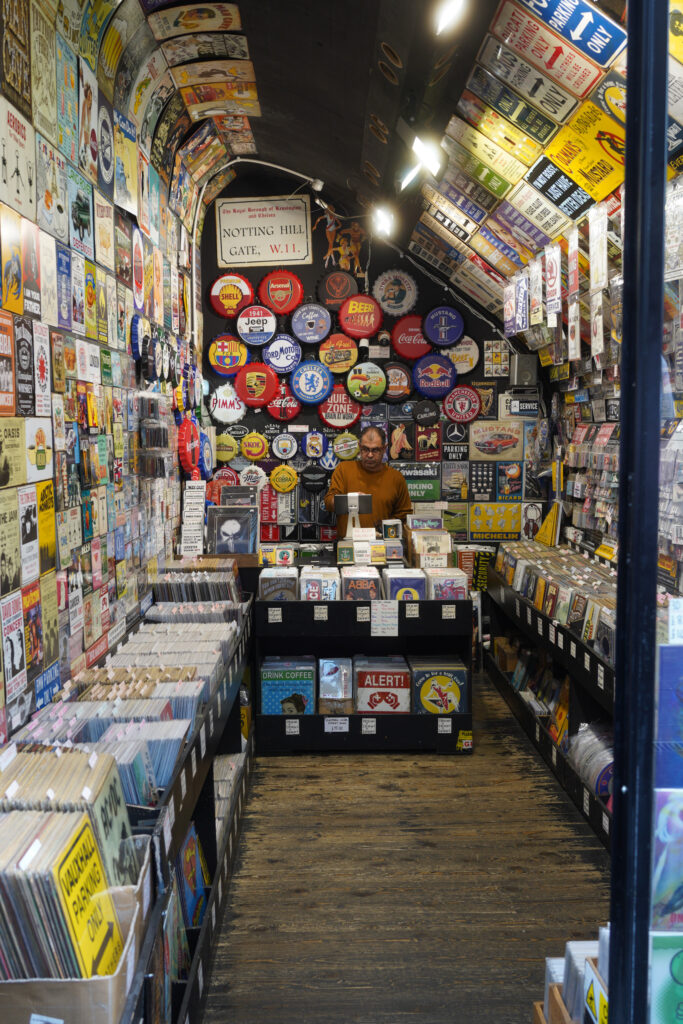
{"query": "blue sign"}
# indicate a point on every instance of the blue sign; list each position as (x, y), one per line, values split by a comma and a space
(329, 460)
(311, 383)
(311, 323)
(205, 456)
(443, 326)
(582, 25)
(434, 376)
(314, 444)
(283, 354)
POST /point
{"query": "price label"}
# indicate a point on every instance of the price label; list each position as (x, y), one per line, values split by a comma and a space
(528, 616)
(448, 611)
(538, 733)
(517, 612)
(362, 614)
(412, 610)
(551, 633)
(605, 823)
(539, 625)
(601, 677)
(586, 801)
(274, 615)
(553, 756)
(586, 661)
(320, 613)
(445, 726)
(334, 724)
(368, 727)
(200, 978)
(202, 741)
(572, 648)
(292, 726)
(560, 639)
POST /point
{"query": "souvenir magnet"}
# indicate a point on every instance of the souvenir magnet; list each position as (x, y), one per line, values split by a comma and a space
(225, 406)
(284, 406)
(314, 444)
(256, 384)
(338, 353)
(229, 294)
(256, 325)
(254, 446)
(227, 355)
(434, 376)
(334, 288)
(396, 292)
(283, 353)
(281, 290)
(443, 326)
(408, 340)
(360, 316)
(226, 447)
(366, 382)
(284, 446)
(311, 323)
(462, 404)
(284, 478)
(339, 410)
(311, 382)
(345, 446)
(399, 382)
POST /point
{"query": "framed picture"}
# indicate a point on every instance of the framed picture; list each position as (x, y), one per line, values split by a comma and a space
(232, 530)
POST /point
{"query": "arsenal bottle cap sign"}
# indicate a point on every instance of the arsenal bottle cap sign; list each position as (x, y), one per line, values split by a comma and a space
(396, 292)
(339, 410)
(399, 382)
(284, 406)
(227, 355)
(464, 356)
(256, 384)
(281, 290)
(408, 340)
(335, 287)
(366, 382)
(360, 316)
(311, 382)
(443, 326)
(256, 325)
(462, 404)
(338, 353)
(434, 375)
(224, 405)
(283, 353)
(311, 323)
(230, 293)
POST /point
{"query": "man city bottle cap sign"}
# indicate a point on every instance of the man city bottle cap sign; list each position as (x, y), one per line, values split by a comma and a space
(284, 446)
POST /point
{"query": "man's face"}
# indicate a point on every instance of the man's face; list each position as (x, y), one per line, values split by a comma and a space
(371, 452)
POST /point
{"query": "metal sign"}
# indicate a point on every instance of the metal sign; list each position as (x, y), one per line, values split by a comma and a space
(559, 188)
(583, 25)
(528, 81)
(259, 232)
(503, 100)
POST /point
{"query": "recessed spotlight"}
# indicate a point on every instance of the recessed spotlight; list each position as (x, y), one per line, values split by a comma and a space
(448, 14)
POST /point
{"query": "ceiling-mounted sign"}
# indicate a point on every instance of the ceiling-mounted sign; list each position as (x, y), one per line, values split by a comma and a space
(256, 325)
(396, 292)
(226, 447)
(360, 316)
(335, 288)
(284, 446)
(311, 382)
(366, 382)
(284, 406)
(462, 404)
(399, 382)
(284, 478)
(339, 410)
(227, 355)
(408, 340)
(225, 406)
(283, 353)
(230, 293)
(254, 446)
(443, 326)
(345, 447)
(314, 444)
(559, 188)
(261, 231)
(583, 26)
(434, 375)
(338, 353)
(464, 356)
(311, 323)
(281, 290)
(256, 384)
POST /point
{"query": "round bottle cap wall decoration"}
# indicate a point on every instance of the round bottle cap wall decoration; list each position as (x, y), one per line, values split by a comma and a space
(188, 445)
(462, 404)
(227, 476)
(396, 292)
(254, 446)
(443, 326)
(339, 410)
(205, 456)
(366, 382)
(253, 476)
(314, 444)
(408, 340)
(256, 325)
(464, 356)
(329, 460)
(338, 353)
(360, 316)
(284, 406)
(225, 406)
(230, 293)
(314, 479)
(334, 288)
(284, 478)
(311, 382)
(227, 355)
(281, 290)
(345, 447)
(284, 446)
(283, 353)
(226, 447)
(311, 323)
(434, 375)
(399, 382)
(426, 413)
(256, 384)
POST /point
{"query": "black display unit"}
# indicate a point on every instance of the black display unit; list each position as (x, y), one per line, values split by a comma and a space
(343, 628)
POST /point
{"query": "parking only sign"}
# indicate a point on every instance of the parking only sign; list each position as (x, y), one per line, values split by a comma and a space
(582, 25)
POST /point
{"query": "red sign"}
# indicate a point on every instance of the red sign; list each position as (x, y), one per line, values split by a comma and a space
(269, 504)
(188, 445)
(360, 316)
(407, 338)
(256, 384)
(339, 410)
(230, 293)
(284, 405)
(462, 404)
(281, 290)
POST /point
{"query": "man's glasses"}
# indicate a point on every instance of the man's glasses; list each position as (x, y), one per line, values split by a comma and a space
(371, 451)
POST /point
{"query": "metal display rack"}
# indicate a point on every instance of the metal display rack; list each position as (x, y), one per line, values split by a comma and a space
(338, 628)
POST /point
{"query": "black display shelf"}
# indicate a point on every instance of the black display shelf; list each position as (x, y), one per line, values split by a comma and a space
(591, 806)
(311, 619)
(584, 666)
(590, 555)
(285, 734)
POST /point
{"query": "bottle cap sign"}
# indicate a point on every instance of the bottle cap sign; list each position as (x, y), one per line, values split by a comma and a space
(335, 287)
(464, 356)
(434, 375)
(205, 456)
(256, 384)
(226, 475)
(188, 445)
(230, 293)
(443, 326)
(329, 460)
(408, 340)
(256, 325)
(225, 405)
(399, 382)
(227, 355)
(138, 270)
(314, 479)
(338, 353)
(284, 446)
(253, 476)
(226, 447)
(284, 406)
(339, 410)
(311, 382)
(281, 290)
(311, 323)
(396, 292)
(366, 382)
(254, 446)
(360, 316)
(345, 446)
(283, 353)
(426, 413)
(314, 444)
(284, 478)
(462, 404)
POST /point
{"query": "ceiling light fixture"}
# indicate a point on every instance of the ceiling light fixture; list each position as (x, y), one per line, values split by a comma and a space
(448, 14)
(428, 156)
(382, 221)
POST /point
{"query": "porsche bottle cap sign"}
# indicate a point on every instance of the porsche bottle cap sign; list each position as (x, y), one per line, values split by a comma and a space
(396, 292)
(464, 356)
(360, 316)
(366, 382)
(338, 353)
(256, 384)
(225, 405)
(443, 326)
(256, 325)
(283, 353)
(227, 355)
(434, 375)
(254, 446)
(311, 323)
(284, 406)
(226, 447)
(462, 404)
(408, 340)
(284, 478)
(281, 290)
(399, 382)
(311, 382)
(335, 288)
(339, 410)
(230, 293)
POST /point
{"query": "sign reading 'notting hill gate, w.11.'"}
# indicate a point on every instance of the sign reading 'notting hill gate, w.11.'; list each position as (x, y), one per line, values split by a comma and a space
(263, 232)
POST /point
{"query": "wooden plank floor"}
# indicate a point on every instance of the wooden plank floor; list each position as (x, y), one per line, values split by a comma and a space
(376, 889)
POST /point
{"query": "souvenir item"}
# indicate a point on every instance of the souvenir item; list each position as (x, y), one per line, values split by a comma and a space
(443, 326)
(226, 447)
(434, 376)
(230, 293)
(256, 384)
(345, 446)
(311, 383)
(396, 292)
(399, 382)
(254, 446)
(227, 354)
(360, 316)
(314, 444)
(225, 406)
(284, 446)
(462, 404)
(335, 287)
(408, 340)
(188, 445)
(366, 382)
(464, 356)
(314, 479)
(284, 479)
(284, 406)
(18, 144)
(338, 353)
(205, 456)
(283, 353)
(426, 413)
(253, 476)
(329, 460)
(311, 323)
(339, 410)
(281, 290)
(256, 325)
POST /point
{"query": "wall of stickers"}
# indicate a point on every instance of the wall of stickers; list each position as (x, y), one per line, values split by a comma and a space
(299, 358)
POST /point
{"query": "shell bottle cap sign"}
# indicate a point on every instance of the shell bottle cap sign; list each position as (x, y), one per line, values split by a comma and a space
(230, 293)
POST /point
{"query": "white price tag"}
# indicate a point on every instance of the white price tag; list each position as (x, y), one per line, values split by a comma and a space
(605, 823)
(274, 615)
(517, 607)
(362, 614)
(320, 613)
(586, 801)
(384, 618)
(553, 756)
(333, 724)
(586, 661)
(167, 834)
(445, 726)
(183, 784)
(528, 616)
(193, 758)
(200, 978)
(448, 611)
(412, 610)
(551, 633)
(560, 640)
(601, 677)
(368, 727)
(202, 741)
(292, 726)
(539, 625)
(572, 648)
(538, 733)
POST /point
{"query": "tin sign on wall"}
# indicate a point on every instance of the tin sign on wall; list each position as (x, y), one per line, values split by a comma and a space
(261, 231)
(338, 353)
(443, 326)
(256, 325)
(396, 292)
(227, 355)
(230, 293)
(311, 323)
(339, 410)
(283, 353)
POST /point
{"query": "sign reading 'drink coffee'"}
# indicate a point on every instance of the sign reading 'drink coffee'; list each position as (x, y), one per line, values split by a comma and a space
(259, 232)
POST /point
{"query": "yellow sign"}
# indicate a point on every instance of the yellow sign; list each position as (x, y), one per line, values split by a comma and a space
(590, 999)
(499, 129)
(591, 149)
(676, 30)
(464, 740)
(499, 521)
(284, 478)
(88, 907)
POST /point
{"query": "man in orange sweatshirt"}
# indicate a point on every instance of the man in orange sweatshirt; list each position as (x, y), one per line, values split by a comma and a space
(370, 475)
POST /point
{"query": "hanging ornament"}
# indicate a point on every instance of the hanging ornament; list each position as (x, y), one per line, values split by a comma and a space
(284, 446)
(283, 353)
(399, 382)
(205, 456)
(225, 406)
(464, 356)
(226, 447)
(462, 404)
(188, 445)
(253, 476)
(434, 375)
(334, 288)
(254, 446)
(314, 444)
(230, 293)
(345, 446)
(284, 478)
(281, 290)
